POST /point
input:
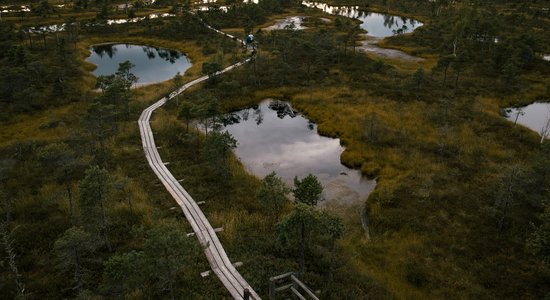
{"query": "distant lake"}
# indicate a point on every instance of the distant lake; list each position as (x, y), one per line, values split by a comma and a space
(63, 26)
(534, 116)
(151, 64)
(376, 24)
(274, 137)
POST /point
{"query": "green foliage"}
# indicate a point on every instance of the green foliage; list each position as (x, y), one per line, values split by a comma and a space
(124, 272)
(186, 112)
(35, 76)
(156, 269)
(272, 194)
(43, 8)
(62, 163)
(101, 124)
(539, 242)
(308, 190)
(167, 249)
(210, 68)
(508, 193)
(375, 131)
(332, 226)
(418, 78)
(305, 225)
(94, 190)
(436, 168)
(297, 227)
(93, 201)
(115, 88)
(73, 249)
(57, 157)
(244, 15)
(216, 153)
(178, 80)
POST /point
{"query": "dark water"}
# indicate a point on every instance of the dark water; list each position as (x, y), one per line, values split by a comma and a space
(376, 24)
(534, 116)
(151, 64)
(294, 22)
(62, 27)
(272, 137)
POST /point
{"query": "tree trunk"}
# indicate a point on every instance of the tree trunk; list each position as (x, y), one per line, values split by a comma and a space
(30, 39)
(455, 45)
(76, 268)
(303, 250)
(10, 253)
(70, 195)
(104, 224)
(331, 267)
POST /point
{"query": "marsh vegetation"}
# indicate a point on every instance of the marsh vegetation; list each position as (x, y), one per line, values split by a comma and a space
(460, 209)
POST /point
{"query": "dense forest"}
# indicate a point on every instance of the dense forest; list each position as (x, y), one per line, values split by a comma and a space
(462, 204)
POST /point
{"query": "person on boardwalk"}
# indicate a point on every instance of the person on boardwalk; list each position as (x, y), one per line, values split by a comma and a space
(249, 41)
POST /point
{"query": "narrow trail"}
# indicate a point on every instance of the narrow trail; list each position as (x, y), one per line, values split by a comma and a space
(213, 249)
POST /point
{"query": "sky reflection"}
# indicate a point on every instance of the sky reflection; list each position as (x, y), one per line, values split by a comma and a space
(291, 146)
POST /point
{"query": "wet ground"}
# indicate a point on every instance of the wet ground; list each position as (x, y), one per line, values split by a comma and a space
(292, 22)
(369, 45)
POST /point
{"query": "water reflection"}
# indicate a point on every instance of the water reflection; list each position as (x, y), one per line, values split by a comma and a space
(274, 137)
(14, 9)
(535, 116)
(103, 49)
(294, 22)
(377, 25)
(62, 27)
(213, 8)
(151, 64)
(370, 44)
(205, 1)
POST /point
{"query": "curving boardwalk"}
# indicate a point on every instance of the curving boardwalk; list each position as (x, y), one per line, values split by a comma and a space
(213, 249)
(219, 262)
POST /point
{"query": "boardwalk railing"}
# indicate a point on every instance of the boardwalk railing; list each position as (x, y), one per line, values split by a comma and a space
(288, 282)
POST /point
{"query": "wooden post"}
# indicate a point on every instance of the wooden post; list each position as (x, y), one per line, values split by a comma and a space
(246, 294)
(271, 290)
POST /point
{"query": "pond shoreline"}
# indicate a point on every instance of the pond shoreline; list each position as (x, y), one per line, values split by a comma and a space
(151, 64)
(272, 136)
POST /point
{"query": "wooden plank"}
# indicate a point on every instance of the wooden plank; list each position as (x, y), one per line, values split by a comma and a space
(304, 287)
(279, 277)
(295, 292)
(284, 287)
(214, 251)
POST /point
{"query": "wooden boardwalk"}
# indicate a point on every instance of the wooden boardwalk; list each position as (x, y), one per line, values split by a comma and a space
(213, 249)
